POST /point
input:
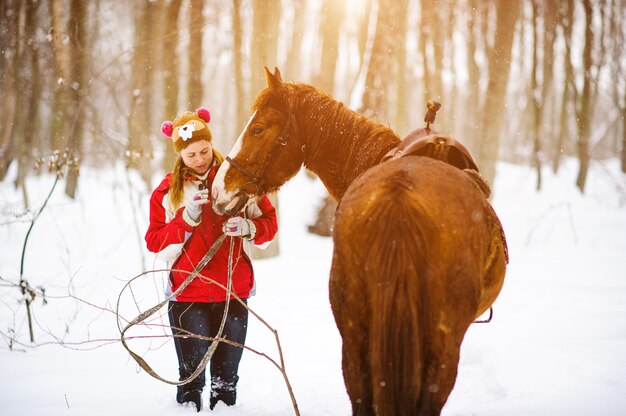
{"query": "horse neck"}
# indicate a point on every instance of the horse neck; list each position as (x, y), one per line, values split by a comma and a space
(340, 144)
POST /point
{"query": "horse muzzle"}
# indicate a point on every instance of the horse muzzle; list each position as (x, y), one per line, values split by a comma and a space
(232, 207)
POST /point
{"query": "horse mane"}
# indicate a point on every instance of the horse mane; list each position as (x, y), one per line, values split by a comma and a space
(333, 131)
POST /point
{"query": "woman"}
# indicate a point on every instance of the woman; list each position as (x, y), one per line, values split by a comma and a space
(183, 227)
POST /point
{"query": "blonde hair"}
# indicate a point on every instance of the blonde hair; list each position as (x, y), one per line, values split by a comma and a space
(179, 173)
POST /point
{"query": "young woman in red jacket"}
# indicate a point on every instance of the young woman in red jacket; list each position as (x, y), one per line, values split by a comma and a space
(183, 227)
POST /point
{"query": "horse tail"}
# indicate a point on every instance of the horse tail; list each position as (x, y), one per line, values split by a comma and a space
(396, 345)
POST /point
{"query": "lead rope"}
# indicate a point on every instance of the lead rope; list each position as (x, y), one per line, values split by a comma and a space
(142, 317)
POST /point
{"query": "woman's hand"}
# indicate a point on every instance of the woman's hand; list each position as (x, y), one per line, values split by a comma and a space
(194, 208)
(238, 227)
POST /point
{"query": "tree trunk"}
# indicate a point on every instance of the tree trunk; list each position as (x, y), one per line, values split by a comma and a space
(366, 22)
(473, 97)
(401, 122)
(493, 112)
(325, 220)
(196, 31)
(242, 105)
(333, 13)
(28, 103)
(584, 106)
(430, 42)
(78, 84)
(548, 101)
(624, 138)
(382, 70)
(139, 148)
(170, 63)
(534, 96)
(9, 27)
(60, 99)
(566, 21)
(23, 83)
(266, 23)
(451, 115)
(294, 58)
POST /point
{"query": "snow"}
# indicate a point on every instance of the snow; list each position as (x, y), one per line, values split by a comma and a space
(555, 346)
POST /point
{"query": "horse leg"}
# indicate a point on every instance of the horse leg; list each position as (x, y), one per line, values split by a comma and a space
(354, 334)
(440, 373)
(356, 374)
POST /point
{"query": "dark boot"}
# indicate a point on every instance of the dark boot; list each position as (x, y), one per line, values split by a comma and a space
(229, 397)
(222, 391)
(191, 396)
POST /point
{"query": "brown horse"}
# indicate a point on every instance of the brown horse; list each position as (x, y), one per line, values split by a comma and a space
(418, 252)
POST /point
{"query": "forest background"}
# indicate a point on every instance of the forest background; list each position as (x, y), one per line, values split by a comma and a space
(523, 81)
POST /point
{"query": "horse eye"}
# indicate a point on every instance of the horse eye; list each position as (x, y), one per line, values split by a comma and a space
(257, 130)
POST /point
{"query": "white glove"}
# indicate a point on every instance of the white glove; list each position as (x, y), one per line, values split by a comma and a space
(238, 227)
(194, 208)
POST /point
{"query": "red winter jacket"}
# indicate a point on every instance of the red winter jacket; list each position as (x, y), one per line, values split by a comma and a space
(183, 243)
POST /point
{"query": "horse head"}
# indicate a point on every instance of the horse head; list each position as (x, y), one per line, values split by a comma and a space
(267, 154)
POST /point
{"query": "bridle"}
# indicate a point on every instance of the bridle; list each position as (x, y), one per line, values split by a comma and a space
(256, 179)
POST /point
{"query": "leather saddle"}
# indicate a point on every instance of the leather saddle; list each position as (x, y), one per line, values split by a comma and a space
(429, 143)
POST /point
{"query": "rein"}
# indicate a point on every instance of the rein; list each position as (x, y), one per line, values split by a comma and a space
(145, 315)
(485, 321)
(256, 179)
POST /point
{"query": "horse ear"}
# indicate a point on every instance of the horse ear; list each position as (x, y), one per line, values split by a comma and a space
(273, 80)
(277, 74)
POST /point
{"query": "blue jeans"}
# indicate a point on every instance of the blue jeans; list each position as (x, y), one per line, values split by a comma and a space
(205, 319)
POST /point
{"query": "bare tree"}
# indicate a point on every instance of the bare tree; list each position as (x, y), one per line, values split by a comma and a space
(196, 30)
(242, 106)
(566, 21)
(401, 97)
(333, 13)
(618, 66)
(382, 70)
(61, 63)
(431, 41)
(266, 28)
(31, 87)
(294, 57)
(583, 101)
(170, 62)
(139, 148)
(493, 114)
(77, 85)
(9, 34)
(534, 94)
(476, 39)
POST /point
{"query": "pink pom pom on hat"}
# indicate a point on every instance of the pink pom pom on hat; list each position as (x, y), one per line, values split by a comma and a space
(204, 114)
(167, 128)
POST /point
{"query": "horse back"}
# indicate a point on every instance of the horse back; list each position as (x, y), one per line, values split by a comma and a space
(412, 240)
(434, 207)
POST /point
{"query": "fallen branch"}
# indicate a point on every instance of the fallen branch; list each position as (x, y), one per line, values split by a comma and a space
(196, 273)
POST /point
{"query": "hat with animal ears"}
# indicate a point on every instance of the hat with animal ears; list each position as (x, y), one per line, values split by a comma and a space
(188, 128)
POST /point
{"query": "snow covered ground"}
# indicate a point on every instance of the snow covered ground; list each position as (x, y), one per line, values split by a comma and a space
(556, 345)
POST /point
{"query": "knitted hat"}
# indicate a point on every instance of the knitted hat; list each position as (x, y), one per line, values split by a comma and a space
(188, 128)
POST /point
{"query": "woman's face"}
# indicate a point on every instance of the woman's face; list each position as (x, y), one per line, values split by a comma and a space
(198, 156)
